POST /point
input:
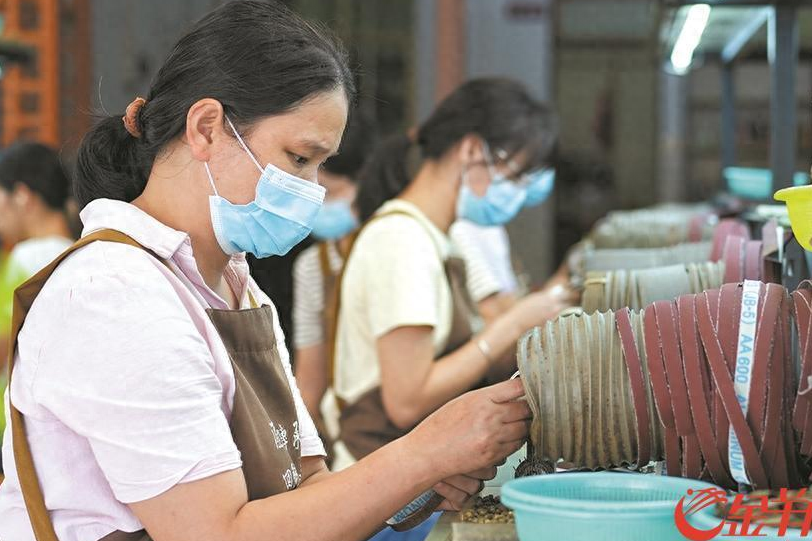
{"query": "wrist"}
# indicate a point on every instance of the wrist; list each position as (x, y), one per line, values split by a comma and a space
(485, 350)
(421, 459)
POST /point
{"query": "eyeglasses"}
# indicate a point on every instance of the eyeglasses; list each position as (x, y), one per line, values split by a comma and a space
(521, 179)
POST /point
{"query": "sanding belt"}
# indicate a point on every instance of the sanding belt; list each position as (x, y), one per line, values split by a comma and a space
(802, 409)
(691, 349)
(727, 228)
(742, 259)
(696, 226)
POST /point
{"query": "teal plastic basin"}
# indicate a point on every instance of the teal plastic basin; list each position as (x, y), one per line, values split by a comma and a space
(602, 506)
(755, 183)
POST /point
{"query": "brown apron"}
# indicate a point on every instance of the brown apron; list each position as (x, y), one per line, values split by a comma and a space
(365, 426)
(263, 421)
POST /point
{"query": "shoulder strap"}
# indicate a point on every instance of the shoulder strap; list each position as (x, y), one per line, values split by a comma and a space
(24, 297)
(324, 259)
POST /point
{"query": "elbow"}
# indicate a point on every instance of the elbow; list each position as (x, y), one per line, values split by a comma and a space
(403, 415)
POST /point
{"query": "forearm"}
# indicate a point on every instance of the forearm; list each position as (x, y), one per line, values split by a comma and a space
(312, 376)
(463, 369)
(348, 505)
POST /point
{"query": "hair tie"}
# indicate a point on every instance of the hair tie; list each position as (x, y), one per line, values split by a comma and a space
(130, 114)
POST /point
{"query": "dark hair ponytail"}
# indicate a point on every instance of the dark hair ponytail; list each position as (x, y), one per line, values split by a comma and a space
(385, 174)
(257, 58)
(500, 111)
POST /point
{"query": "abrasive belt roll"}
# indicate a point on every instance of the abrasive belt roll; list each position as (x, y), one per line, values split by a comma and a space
(628, 387)
(645, 258)
(636, 289)
(652, 229)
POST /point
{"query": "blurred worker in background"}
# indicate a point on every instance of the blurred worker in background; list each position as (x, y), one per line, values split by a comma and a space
(407, 339)
(34, 192)
(490, 245)
(316, 269)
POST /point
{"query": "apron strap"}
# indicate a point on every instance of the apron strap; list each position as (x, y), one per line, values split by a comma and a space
(24, 297)
(324, 259)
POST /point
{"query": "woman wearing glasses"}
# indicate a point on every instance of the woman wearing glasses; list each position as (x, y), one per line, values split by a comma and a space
(407, 338)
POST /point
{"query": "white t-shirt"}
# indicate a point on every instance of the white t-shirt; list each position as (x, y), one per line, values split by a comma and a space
(483, 280)
(125, 385)
(394, 277)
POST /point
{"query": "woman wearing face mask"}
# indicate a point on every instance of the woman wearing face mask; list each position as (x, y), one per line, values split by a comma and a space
(405, 343)
(490, 244)
(317, 270)
(151, 395)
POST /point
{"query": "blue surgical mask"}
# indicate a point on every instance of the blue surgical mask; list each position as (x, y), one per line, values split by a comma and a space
(501, 203)
(335, 220)
(280, 216)
(540, 185)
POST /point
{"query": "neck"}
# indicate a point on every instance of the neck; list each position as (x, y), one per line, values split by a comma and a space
(433, 194)
(159, 200)
(49, 223)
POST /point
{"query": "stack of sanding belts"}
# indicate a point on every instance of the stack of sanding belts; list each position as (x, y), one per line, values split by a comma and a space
(636, 277)
(715, 383)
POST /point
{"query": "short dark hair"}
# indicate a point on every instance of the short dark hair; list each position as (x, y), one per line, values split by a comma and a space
(501, 111)
(39, 168)
(257, 58)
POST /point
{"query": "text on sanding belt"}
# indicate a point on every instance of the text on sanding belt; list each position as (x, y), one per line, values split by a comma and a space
(745, 347)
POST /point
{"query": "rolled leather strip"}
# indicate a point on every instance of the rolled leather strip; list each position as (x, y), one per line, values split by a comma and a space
(638, 386)
(696, 392)
(724, 385)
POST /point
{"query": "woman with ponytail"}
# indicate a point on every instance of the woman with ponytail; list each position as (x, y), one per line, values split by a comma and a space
(151, 394)
(408, 340)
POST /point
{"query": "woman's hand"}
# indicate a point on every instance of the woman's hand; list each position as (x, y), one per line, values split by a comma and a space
(472, 433)
(457, 490)
(539, 308)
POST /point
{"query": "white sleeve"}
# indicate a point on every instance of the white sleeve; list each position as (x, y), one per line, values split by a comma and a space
(141, 390)
(308, 299)
(311, 442)
(482, 278)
